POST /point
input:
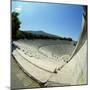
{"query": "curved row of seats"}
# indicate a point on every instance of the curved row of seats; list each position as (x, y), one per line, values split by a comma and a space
(37, 58)
(33, 71)
(57, 51)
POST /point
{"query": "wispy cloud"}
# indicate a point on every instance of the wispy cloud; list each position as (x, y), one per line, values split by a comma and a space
(18, 9)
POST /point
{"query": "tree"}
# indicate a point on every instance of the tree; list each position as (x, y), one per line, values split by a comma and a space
(15, 24)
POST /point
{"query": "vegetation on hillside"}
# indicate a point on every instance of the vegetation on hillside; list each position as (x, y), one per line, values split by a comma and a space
(15, 24)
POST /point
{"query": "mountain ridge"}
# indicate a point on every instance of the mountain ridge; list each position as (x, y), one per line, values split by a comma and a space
(40, 32)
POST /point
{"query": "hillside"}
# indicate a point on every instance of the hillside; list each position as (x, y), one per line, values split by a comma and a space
(42, 33)
(39, 35)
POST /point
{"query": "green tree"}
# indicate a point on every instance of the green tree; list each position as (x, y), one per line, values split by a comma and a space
(15, 24)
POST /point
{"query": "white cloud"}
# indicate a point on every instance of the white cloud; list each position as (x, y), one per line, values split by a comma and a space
(18, 9)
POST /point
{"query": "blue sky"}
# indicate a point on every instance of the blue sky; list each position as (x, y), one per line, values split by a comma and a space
(59, 19)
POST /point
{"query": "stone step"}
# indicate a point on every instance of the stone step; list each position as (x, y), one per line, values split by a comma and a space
(43, 64)
(33, 71)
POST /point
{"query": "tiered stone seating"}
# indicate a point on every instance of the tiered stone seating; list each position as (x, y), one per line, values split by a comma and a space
(74, 72)
(32, 70)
